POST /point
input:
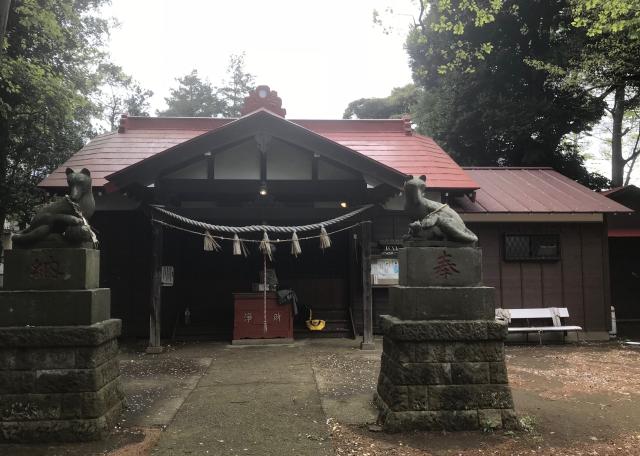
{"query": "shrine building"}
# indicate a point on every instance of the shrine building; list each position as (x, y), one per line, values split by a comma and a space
(166, 188)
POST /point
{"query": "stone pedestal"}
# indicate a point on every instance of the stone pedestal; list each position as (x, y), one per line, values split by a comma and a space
(59, 376)
(443, 364)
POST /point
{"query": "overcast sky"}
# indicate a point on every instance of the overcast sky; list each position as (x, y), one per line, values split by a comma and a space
(319, 56)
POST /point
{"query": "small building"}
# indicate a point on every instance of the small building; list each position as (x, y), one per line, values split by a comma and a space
(624, 260)
(5, 238)
(157, 180)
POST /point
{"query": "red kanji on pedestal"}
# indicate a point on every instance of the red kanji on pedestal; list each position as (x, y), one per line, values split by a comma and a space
(445, 265)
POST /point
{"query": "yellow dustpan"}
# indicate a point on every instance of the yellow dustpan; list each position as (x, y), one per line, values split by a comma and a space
(315, 325)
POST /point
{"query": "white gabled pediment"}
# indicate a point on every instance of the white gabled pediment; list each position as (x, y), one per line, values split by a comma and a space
(284, 161)
(240, 162)
(197, 170)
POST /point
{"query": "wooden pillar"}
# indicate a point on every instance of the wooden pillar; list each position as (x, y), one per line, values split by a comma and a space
(354, 278)
(156, 290)
(367, 305)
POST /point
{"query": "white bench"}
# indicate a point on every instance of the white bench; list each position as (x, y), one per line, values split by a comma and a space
(555, 314)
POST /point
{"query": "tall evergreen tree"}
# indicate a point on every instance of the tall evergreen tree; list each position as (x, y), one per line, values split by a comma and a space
(236, 87)
(121, 94)
(194, 97)
(609, 64)
(197, 97)
(400, 102)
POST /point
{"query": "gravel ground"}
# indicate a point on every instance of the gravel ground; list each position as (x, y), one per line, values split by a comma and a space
(572, 400)
(153, 385)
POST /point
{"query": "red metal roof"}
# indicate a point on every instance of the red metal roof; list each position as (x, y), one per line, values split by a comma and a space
(612, 191)
(389, 142)
(525, 190)
(624, 232)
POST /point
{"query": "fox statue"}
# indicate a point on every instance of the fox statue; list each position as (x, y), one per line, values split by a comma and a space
(431, 220)
(63, 222)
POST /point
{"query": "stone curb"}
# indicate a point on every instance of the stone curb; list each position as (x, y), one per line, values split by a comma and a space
(60, 336)
(439, 420)
(81, 430)
(442, 330)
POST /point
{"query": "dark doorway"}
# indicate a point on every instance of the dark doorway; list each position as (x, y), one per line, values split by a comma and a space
(624, 258)
(204, 282)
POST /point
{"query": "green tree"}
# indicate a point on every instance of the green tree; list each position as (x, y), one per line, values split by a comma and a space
(602, 17)
(236, 87)
(4, 13)
(484, 100)
(593, 46)
(48, 63)
(120, 94)
(609, 63)
(402, 101)
(194, 97)
(630, 141)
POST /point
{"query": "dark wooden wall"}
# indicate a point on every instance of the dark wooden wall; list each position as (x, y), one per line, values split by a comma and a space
(125, 247)
(330, 282)
(624, 261)
(625, 284)
(578, 281)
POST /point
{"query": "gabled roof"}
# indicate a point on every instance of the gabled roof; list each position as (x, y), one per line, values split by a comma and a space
(532, 190)
(393, 143)
(626, 191)
(389, 143)
(247, 128)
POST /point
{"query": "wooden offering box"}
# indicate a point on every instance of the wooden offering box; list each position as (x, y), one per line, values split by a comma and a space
(248, 321)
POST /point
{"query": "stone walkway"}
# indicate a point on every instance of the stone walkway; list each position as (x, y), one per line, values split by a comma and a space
(251, 401)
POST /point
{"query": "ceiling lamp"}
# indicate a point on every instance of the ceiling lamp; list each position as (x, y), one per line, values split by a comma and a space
(263, 189)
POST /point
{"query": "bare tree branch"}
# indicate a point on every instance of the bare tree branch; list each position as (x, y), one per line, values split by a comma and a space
(421, 14)
(630, 169)
(607, 92)
(4, 15)
(635, 152)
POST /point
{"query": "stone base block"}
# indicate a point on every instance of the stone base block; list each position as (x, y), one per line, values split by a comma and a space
(444, 420)
(54, 307)
(52, 269)
(59, 383)
(442, 330)
(65, 431)
(442, 303)
(440, 266)
(443, 375)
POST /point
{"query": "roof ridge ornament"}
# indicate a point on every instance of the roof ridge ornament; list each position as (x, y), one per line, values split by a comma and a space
(262, 97)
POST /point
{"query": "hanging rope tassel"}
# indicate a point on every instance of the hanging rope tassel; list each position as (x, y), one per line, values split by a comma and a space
(265, 246)
(264, 291)
(238, 246)
(325, 241)
(210, 243)
(295, 245)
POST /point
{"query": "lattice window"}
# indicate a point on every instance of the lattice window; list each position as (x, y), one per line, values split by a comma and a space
(531, 247)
